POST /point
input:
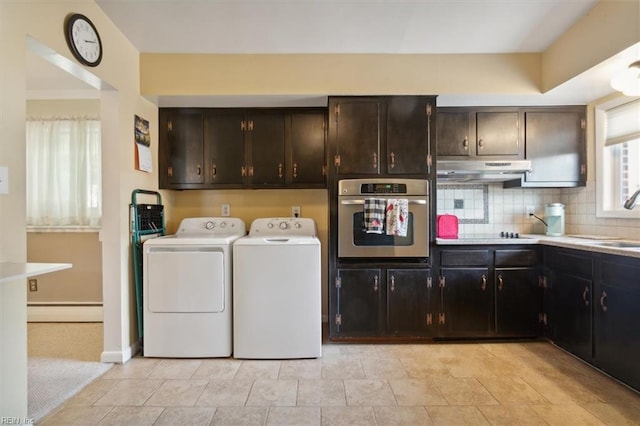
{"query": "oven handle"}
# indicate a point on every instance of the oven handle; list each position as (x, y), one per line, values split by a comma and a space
(361, 202)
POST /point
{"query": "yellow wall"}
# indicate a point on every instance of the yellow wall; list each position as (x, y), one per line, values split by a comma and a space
(365, 74)
(251, 204)
(80, 284)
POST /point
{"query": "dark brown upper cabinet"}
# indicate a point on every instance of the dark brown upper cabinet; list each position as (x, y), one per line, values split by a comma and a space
(555, 142)
(181, 139)
(245, 148)
(386, 135)
(485, 132)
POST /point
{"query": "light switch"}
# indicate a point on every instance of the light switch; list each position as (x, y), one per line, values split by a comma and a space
(4, 180)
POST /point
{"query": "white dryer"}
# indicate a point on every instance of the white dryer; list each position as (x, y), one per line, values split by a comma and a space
(277, 290)
(187, 289)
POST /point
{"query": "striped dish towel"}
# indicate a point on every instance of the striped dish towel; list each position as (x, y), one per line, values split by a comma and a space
(374, 215)
(397, 217)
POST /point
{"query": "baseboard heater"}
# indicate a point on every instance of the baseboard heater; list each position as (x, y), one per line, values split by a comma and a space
(64, 312)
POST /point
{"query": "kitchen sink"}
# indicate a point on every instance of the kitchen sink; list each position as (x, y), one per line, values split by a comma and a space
(619, 244)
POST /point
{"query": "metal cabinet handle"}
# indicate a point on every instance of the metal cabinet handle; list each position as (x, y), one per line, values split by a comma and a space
(484, 283)
(295, 170)
(585, 296)
(465, 143)
(500, 282)
(480, 143)
(214, 171)
(392, 159)
(393, 283)
(243, 171)
(280, 170)
(603, 298)
(170, 171)
(250, 170)
(199, 169)
(375, 283)
(375, 160)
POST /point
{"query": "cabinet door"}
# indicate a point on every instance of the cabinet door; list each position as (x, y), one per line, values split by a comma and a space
(467, 302)
(409, 310)
(452, 133)
(307, 143)
(225, 132)
(498, 133)
(555, 144)
(185, 142)
(355, 129)
(266, 142)
(617, 319)
(570, 300)
(408, 127)
(570, 313)
(358, 295)
(518, 302)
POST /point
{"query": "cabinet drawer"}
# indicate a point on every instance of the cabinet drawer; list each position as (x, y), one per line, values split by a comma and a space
(464, 258)
(579, 266)
(620, 273)
(516, 258)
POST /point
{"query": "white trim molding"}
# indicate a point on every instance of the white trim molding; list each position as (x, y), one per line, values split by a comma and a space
(64, 312)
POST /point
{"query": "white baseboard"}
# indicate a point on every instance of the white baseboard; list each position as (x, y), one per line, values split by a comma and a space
(64, 313)
(120, 357)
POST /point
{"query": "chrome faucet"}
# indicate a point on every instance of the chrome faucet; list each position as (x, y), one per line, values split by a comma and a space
(631, 202)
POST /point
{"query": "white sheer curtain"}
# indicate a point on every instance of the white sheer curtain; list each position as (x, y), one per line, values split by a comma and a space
(64, 172)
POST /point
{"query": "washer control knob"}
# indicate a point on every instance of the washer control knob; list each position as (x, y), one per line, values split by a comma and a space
(298, 225)
(283, 225)
(210, 225)
(269, 225)
(223, 224)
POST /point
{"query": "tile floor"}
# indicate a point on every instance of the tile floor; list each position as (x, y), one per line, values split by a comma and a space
(419, 384)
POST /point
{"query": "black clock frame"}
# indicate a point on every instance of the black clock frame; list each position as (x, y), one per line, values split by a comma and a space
(68, 29)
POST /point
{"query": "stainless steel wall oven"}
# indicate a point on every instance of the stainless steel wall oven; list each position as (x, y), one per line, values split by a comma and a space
(353, 239)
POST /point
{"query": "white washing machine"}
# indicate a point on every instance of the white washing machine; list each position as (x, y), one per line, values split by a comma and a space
(187, 289)
(277, 291)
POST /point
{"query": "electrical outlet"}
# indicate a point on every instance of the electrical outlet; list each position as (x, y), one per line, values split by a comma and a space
(33, 284)
(529, 210)
(225, 210)
(295, 211)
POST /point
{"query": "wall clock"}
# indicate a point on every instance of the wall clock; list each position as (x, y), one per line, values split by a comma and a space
(83, 39)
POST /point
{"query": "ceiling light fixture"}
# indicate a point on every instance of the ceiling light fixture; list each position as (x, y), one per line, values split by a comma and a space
(628, 80)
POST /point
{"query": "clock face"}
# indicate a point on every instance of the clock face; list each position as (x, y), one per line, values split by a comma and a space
(83, 40)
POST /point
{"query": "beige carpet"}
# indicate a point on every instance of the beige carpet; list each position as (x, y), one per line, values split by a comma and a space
(63, 359)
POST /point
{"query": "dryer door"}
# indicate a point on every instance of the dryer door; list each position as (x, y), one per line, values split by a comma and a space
(184, 279)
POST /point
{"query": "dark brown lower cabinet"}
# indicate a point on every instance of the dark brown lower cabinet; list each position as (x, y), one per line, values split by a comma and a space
(409, 304)
(467, 302)
(357, 302)
(518, 302)
(489, 292)
(379, 302)
(617, 318)
(593, 309)
(569, 301)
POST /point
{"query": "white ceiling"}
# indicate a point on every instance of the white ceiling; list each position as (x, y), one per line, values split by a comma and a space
(352, 26)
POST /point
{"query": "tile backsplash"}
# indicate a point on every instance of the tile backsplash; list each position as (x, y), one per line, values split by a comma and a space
(490, 209)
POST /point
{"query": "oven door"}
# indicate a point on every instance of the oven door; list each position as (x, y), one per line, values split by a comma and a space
(353, 241)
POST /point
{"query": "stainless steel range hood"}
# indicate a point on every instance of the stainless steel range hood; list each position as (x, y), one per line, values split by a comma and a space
(472, 171)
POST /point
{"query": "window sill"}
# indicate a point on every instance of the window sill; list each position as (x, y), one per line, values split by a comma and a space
(44, 229)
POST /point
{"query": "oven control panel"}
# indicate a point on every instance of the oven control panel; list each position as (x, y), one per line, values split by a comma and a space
(383, 188)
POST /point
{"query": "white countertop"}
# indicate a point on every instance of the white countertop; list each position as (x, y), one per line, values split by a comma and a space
(579, 242)
(11, 271)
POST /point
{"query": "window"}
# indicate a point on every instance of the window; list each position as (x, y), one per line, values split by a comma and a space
(64, 172)
(617, 156)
